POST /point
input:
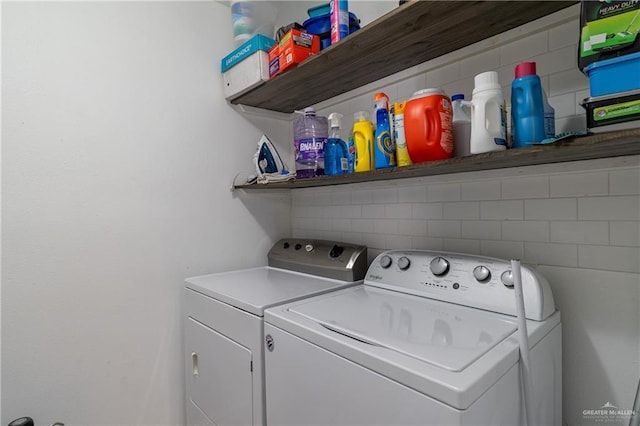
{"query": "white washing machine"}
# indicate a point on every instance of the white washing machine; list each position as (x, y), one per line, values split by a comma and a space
(223, 324)
(428, 339)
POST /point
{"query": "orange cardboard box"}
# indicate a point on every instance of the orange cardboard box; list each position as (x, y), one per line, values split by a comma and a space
(274, 60)
(295, 47)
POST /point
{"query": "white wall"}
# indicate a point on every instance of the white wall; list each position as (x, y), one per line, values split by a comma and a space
(118, 154)
(579, 222)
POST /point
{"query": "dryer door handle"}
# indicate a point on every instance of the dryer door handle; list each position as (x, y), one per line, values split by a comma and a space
(194, 364)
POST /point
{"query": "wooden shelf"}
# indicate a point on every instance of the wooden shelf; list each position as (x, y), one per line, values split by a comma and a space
(409, 35)
(602, 145)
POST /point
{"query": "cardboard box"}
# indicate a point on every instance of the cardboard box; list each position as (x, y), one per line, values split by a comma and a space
(274, 60)
(247, 66)
(296, 46)
(608, 29)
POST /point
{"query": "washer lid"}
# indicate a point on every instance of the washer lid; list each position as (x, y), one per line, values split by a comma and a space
(254, 290)
(444, 335)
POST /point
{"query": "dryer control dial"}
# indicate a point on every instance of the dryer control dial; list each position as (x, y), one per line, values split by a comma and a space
(404, 263)
(439, 266)
(507, 279)
(385, 261)
(482, 274)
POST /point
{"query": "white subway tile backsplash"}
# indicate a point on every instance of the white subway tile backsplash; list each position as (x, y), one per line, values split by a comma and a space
(373, 211)
(624, 234)
(443, 192)
(362, 225)
(398, 241)
(481, 190)
(525, 187)
(351, 211)
(502, 210)
(579, 184)
(462, 246)
(398, 211)
(551, 254)
(624, 182)
(551, 209)
(525, 231)
(576, 123)
(350, 237)
(427, 211)
(306, 211)
(412, 194)
(330, 211)
(564, 35)
(587, 232)
(486, 61)
(502, 249)
(385, 195)
(374, 241)
(343, 225)
(481, 229)
(610, 258)
(385, 226)
(412, 227)
(443, 228)
(464, 210)
(442, 75)
(524, 48)
(362, 196)
(426, 243)
(564, 105)
(572, 80)
(408, 87)
(609, 208)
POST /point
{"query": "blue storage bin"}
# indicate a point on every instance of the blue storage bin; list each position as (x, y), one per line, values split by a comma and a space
(321, 26)
(614, 75)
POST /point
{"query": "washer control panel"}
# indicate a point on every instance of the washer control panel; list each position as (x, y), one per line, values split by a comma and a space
(475, 281)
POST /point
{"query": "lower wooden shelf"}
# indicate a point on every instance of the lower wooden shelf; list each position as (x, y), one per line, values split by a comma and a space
(601, 145)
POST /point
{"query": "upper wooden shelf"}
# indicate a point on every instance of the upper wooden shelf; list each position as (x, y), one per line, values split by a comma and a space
(409, 35)
(602, 145)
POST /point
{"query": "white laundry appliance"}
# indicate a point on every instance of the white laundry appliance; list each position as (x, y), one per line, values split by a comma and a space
(430, 338)
(223, 324)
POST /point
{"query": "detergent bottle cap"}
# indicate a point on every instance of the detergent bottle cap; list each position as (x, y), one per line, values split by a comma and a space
(335, 120)
(360, 116)
(486, 81)
(457, 97)
(426, 92)
(380, 100)
(399, 107)
(525, 68)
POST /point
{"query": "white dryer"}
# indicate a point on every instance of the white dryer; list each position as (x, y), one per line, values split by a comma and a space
(223, 324)
(429, 339)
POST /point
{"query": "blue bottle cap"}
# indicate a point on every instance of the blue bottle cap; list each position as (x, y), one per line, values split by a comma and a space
(457, 97)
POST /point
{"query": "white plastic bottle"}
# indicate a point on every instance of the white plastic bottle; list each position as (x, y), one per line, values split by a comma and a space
(488, 115)
(549, 117)
(461, 126)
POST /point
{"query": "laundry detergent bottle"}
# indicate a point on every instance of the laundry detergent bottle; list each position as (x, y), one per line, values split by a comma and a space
(427, 126)
(461, 126)
(363, 138)
(398, 131)
(310, 133)
(527, 106)
(488, 115)
(385, 150)
(336, 152)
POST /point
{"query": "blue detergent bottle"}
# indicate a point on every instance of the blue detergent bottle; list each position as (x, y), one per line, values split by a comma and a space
(385, 150)
(336, 152)
(527, 106)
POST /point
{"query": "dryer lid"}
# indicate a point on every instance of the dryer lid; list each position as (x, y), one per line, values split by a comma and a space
(444, 335)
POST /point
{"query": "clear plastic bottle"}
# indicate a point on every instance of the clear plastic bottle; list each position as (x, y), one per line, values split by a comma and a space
(310, 134)
(336, 152)
(461, 126)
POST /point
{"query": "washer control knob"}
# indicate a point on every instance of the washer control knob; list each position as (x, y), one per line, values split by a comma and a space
(507, 278)
(404, 263)
(385, 261)
(439, 266)
(336, 251)
(482, 274)
(308, 247)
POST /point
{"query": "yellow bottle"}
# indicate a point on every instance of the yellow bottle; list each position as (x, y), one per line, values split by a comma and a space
(363, 133)
(402, 154)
